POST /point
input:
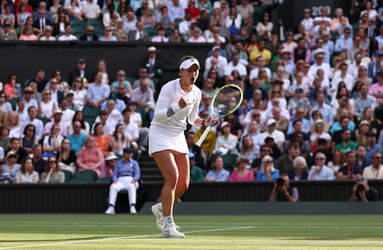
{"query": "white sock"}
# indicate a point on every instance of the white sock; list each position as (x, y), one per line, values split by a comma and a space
(168, 220)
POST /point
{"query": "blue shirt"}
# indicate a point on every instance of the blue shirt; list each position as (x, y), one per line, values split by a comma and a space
(98, 91)
(77, 142)
(324, 174)
(262, 177)
(326, 111)
(126, 168)
(222, 175)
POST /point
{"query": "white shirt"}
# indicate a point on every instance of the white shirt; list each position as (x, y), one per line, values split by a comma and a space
(371, 173)
(46, 109)
(199, 39)
(240, 67)
(325, 66)
(278, 136)
(160, 39)
(348, 80)
(169, 96)
(79, 98)
(67, 117)
(131, 130)
(254, 73)
(67, 38)
(220, 66)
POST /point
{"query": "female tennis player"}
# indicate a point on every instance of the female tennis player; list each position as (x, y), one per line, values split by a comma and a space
(177, 103)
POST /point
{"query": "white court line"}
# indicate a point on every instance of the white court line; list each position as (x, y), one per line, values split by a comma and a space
(123, 238)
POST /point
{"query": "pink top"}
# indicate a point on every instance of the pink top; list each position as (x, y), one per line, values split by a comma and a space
(91, 159)
(249, 176)
(376, 89)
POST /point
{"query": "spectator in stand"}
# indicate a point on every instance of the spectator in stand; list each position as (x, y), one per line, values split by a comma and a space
(119, 31)
(376, 89)
(300, 171)
(152, 64)
(90, 157)
(144, 96)
(42, 21)
(346, 144)
(47, 106)
(12, 88)
(349, 171)
(27, 34)
(108, 35)
(108, 15)
(10, 168)
(126, 175)
(109, 166)
(52, 142)
(176, 11)
(215, 61)
(163, 18)
(81, 72)
(261, 51)
(102, 141)
(217, 173)
(89, 35)
(66, 157)
(130, 21)
(143, 75)
(29, 139)
(138, 34)
(375, 170)
(196, 173)
(248, 148)
(320, 171)
(7, 33)
(77, 138)
(241, 172)
(267, 172)
(160, 38)
(67, 36)
(142, 129)
(4, 138)
(39, 162)
(131, 130)
(4, 106)
(118, 140)
(364, 100)
(90, 10)
(32, 119)
(226, 142)
(196, 36)
(271, 131)
(47, 34)
(27, 172)
(52, 173)
(98, 92)
(285, 163)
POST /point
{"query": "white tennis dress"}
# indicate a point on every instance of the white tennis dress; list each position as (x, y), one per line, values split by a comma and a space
(168, 132)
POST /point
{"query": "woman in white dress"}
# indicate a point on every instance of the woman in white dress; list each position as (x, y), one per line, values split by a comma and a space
(178, 102)
(47, 106)
(79, 94)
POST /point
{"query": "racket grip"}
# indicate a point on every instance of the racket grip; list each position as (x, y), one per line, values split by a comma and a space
(203, 136)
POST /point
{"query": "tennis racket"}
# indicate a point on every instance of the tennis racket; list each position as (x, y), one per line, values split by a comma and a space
(225, 101)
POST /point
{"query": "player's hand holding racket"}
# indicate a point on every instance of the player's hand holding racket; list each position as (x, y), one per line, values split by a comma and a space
(225, 101)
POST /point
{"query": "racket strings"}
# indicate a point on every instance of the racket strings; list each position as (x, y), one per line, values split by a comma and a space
(227, 100)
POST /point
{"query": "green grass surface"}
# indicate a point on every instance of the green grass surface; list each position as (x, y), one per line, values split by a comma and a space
(202, 232)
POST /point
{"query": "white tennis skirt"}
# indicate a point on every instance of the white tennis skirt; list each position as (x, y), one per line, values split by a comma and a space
(162, 139)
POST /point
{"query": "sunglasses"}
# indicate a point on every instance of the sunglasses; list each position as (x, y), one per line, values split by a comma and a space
(52, 161)
(319, 159)
(268, 161)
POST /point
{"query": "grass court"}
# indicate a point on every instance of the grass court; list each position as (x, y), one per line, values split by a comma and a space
(202, 232)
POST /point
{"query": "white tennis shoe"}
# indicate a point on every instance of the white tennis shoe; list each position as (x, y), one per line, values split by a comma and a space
(171, 231)
(159, 217)
(110, 210)
(133, 210)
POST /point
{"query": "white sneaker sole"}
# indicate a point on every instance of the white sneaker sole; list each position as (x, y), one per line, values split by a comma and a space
(159, 219)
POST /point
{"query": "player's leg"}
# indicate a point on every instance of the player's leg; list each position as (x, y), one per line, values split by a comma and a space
(113, 191)
(168, 167)
(183, 165)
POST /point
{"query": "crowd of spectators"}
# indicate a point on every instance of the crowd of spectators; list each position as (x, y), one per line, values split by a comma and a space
(313, 97)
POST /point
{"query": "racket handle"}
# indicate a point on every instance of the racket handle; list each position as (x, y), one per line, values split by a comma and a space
(203, 136)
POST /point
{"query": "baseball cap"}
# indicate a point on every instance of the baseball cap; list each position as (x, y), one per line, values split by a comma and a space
(270, 122)
(58, 111)
(364, 122)
(319, 51)
(224, 124)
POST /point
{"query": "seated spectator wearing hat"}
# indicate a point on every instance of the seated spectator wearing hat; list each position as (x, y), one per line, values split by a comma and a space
(271, 131)
(226, 143)
(109, 166)
(320, 171)
(216, 61)
(217, 172)
(57, 119)
(27, 173)
(7, 33)
(52, 173)
(79, 73)
(126, 175)
(375, 170)
(152, 62)
(241, 172)
(361, 131)
(349, 171)
(196, 173)
(10, 168)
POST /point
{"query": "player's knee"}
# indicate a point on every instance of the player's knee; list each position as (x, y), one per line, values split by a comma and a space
(172, 179)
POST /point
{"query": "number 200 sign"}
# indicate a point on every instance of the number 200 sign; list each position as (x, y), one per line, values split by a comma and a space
(316, 10)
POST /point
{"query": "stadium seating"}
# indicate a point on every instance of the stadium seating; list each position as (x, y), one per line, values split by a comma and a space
(85, 176)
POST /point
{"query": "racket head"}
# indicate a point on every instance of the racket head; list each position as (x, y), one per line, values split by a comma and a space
(226, 100)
